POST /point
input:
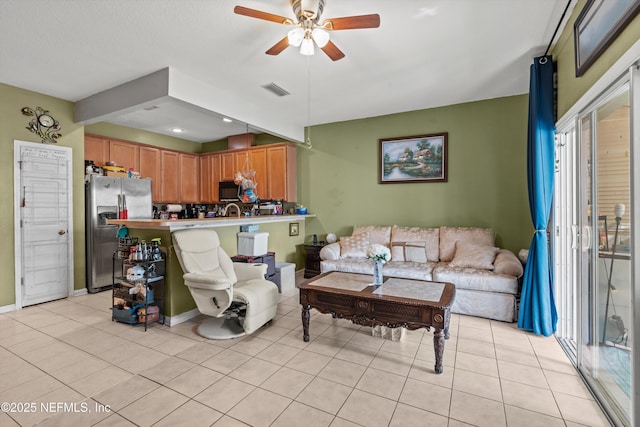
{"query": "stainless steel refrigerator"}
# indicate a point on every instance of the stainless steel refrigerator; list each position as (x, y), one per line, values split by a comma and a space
(102, 195)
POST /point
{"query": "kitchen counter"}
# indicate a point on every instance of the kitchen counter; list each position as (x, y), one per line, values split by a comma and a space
(181, 224)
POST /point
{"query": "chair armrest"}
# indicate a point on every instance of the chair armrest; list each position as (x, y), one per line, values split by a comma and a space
(330, 252)
(247, 271)
(206, 281)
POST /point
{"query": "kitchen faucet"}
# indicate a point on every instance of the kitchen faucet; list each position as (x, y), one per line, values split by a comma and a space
(226, 208)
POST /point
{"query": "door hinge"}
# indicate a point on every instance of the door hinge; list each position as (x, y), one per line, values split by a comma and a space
(22, 281)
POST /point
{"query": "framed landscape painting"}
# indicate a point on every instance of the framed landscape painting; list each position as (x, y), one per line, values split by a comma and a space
(421, 158)
(597, 26)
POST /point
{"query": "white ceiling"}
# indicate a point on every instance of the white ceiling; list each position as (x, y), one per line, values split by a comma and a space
(426, 53)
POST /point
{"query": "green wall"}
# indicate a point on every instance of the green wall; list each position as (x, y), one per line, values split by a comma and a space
(570, 87)
(13, 127)
(338, 176)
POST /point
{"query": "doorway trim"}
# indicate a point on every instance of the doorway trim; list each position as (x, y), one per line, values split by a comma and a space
(17, 185)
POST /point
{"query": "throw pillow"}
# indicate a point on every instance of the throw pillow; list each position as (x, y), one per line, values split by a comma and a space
(431, 237)
(409, 251)
(380, 234)
(507, 263)
(449, 236)
(354, 246)
(474, 256)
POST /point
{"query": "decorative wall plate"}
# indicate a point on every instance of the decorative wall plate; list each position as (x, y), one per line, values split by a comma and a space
(43, 124)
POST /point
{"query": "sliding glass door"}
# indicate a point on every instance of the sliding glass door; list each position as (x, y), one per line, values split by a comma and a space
(595, 243)
(604, 274)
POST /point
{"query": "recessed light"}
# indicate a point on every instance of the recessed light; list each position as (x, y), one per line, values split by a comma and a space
(176, 130)
(226, 119)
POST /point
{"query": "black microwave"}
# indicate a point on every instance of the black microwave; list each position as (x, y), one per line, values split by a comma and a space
(228, 191)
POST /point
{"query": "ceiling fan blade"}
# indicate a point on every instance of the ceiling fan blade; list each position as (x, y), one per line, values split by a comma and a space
(352, 22)
(252, 13)
(332, 51)
(278, 47)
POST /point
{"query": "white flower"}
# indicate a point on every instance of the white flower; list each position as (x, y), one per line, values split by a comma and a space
(378, 252)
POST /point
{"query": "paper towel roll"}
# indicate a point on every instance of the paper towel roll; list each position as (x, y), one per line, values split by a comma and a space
(174, 208)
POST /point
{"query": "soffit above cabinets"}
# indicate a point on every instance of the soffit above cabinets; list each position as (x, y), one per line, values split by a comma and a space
(167, 99)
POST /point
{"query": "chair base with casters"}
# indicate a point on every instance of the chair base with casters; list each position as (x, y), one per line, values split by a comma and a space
(235, 295)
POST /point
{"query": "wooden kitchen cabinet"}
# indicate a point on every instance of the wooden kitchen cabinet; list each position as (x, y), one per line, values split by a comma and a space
(189, 178)
(97, 149)
(229, 168)
(170, 176)
(258, 161)
(150, 167)
(206, 186)
(125, 154)
(210, 173)
(281, 173)
(216, 173)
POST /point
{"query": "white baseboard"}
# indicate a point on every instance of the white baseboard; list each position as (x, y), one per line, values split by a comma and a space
(79, 292)
(182, 317)
(7, 308)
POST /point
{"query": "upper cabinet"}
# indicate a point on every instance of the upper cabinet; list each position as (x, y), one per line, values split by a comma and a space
(170, 176)
(150, 167)
(189, 178)
(210, 173)
(125, 154)
(97, 149)
(179, 177)
(282, 172)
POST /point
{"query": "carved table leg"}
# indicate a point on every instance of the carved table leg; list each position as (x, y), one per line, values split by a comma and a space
(305, 321)
(446, 333)
(438, 346)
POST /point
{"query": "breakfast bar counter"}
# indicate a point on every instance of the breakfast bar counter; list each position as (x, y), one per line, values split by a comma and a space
(181, 224)
(286, 239)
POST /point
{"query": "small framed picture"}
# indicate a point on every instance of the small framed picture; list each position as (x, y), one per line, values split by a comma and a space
(294, 229)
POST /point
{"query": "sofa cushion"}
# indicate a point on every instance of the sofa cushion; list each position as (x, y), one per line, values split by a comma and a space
(406, 270)
(507, 263)
(476, 279)
(450, 235)
(348, 265)
(380, 234)
(409, 270)
(354, 246)
(409, 251)
(431, 237)
(474, 256)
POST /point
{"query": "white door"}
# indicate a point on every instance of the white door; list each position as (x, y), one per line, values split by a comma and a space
(43, 223)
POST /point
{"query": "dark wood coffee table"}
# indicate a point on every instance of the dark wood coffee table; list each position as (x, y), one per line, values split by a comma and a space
(396, 303)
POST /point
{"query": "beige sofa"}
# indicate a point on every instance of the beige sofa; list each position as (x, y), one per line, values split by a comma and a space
(486, 277)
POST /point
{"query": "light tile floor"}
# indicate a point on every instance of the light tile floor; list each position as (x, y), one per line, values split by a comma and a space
(65, 363)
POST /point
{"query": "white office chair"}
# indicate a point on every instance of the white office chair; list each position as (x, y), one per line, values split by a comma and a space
(236, 295)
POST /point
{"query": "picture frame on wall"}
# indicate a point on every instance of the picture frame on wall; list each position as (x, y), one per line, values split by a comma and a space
(421, 158)
(294, 229)
(597, 26)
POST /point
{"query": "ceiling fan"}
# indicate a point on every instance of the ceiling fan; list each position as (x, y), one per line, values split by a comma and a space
(308, 29)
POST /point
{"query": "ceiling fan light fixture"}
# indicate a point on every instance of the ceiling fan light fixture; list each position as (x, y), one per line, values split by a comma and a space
(296, 36)
(320, 36)
(306, 48)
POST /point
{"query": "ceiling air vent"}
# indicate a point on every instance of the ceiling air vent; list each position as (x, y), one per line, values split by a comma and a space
(275, 89)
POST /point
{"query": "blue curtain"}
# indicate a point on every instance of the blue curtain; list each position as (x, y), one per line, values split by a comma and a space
(537, 307)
